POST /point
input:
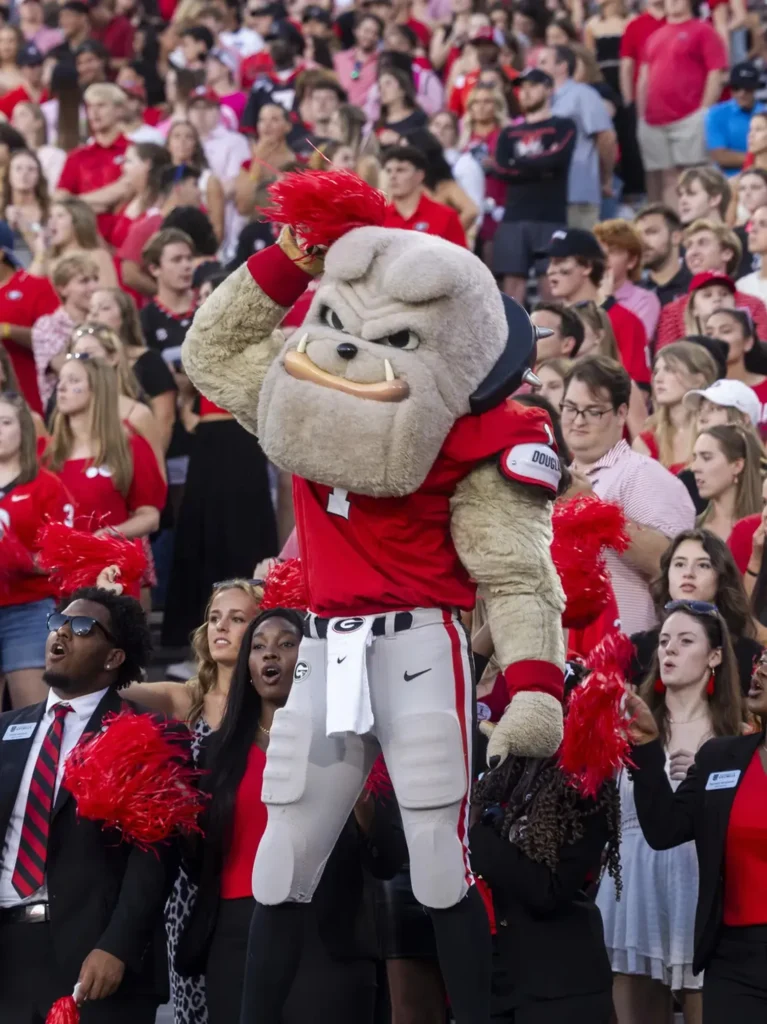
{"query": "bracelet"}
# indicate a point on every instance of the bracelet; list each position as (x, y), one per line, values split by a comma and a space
(6, 330)
(750, 572)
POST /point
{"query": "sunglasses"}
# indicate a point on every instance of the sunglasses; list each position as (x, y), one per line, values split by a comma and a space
(81, 625)
(696, 607)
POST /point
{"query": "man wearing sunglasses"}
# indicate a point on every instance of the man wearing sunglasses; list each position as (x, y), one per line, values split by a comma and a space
(76, 903)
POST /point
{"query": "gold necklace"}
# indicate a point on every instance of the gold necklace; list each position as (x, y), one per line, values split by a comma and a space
(263, 730)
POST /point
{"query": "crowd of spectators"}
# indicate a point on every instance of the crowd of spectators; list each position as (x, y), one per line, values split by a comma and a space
(607, 159)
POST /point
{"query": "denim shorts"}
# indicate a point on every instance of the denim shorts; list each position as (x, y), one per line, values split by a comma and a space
(23, 632)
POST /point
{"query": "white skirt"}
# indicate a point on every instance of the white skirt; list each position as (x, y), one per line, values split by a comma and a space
(650, 931)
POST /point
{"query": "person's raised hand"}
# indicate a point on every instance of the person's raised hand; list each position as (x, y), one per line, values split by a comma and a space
(642, 727)
(108, 580)
(100, 976)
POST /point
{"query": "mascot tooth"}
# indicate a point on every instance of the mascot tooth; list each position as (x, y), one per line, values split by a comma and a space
(417, 485)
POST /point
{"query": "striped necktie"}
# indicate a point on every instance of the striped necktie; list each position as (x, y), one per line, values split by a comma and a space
(29, 873)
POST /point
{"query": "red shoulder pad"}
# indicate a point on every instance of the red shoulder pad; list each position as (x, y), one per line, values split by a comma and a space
(532, 457)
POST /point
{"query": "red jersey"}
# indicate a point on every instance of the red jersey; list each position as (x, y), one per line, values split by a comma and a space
(631, 337)
(680, 57)
(21, 94)
(91, 167)
(634, 37)
(745, 852)
(431, 217)
(116, 36)
(98, 503)
(363, 555)
(25, 509)
(741, 540)
(23, 299)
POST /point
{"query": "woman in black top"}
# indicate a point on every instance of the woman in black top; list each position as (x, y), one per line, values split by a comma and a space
(539, 845)
(400, 113)
(698, 566)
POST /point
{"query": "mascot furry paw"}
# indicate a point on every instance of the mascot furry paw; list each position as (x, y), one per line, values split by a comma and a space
(417, 483)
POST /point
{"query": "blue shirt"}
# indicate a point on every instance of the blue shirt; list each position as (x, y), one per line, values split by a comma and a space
(727, 128)
(583, 105)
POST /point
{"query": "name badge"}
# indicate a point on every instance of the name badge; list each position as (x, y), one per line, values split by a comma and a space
(22, 731)
(723, 780)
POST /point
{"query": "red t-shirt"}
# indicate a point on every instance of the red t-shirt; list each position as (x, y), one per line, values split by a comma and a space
(760, 390)
(741, 540)
(19, 95)
(745, 852)
(98, 503)
(91, 167)
(653, 451)
(117, 37)
(23, 299)
(680, 57)
(249, 824)
(633, 348)
(635, 35)
(431, 217)
(25, 509)
(363, 555)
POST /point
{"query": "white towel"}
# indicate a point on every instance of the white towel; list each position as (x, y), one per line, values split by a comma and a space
(348, 692)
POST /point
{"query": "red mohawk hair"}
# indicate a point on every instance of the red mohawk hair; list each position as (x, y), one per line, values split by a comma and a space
(321, 206)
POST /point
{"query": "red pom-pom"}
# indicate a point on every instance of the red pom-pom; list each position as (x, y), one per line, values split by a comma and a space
(583, 528)
(321, 206)
(284, 586)
(64, 1011)
(15, 560)
(133, 776)
(595, 744)
(379, 782)
(76, 558)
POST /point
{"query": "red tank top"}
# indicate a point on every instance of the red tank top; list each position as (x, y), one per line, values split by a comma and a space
(248, 827)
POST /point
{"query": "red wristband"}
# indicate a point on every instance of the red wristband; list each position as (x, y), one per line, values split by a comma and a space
(534, 677)
(280, 277)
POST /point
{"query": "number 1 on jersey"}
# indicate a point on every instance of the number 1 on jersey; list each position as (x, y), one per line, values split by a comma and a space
(338, 503)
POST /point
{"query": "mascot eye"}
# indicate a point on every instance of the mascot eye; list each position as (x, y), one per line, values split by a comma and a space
(332, 319)
(403, 339)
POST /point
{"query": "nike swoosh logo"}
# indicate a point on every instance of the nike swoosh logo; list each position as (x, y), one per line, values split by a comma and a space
(339, 660)
(19, 497)
(415, 675)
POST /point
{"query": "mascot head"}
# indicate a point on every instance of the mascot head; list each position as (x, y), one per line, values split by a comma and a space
(406, 333)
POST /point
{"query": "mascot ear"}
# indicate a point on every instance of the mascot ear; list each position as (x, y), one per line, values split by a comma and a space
(513, 367)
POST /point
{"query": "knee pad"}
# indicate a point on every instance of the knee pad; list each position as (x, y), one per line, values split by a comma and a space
(426, 760)
(282, 847)
(287, 760)
(438, 871)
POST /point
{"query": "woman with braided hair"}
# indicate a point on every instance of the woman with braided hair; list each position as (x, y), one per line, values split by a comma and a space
(539, 844)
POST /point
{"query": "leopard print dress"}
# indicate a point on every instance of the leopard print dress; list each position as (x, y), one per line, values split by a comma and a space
(187, 994)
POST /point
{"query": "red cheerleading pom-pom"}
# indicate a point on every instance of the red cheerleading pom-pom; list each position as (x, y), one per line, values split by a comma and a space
(76, 558)
(284, 586)
(595, 743)
(64, 1011)
(379, 782)
(322, 206)
(584, 527)
(135, 777)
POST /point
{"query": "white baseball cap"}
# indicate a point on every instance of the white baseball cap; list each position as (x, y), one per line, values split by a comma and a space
(732, 393)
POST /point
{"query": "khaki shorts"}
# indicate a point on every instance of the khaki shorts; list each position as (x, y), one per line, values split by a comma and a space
(679, 144)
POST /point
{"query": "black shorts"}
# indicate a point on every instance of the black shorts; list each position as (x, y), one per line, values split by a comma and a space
(518, 245)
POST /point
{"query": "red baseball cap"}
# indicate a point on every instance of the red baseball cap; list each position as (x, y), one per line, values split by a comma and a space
(135, 89)
(207, 95)
(710, 277)
(484, 34)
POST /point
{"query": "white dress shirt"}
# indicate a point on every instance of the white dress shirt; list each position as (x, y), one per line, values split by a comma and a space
(74, 727)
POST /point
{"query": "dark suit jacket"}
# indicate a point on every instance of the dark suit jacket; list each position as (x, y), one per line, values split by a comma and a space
(550, 941)
(103, 893)
(670, 818)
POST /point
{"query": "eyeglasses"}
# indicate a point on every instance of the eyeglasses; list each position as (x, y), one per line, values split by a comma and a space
(696, 607)
(81, 625)
(592, 413)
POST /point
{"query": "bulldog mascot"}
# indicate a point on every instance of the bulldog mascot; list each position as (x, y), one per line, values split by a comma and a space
(417, 484)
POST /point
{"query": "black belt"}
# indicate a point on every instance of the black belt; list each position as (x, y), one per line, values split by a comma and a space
(315, 626)
(26, 913)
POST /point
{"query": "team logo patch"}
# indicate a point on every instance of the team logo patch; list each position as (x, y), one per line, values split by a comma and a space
(483, 712)
(422, 225)
(161, 334)
(348, 625)
(301, 671)
(92, 472)
(15, 295)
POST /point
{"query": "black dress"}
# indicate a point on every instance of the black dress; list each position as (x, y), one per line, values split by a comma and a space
(226, 523)
(630, 168)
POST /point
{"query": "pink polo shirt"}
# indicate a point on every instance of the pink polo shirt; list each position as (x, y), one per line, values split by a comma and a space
(357, 87)
(642, 303)
(649, 496)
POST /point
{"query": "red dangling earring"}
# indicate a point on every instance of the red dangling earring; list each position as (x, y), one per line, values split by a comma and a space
(660, 686)
(710, 685)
